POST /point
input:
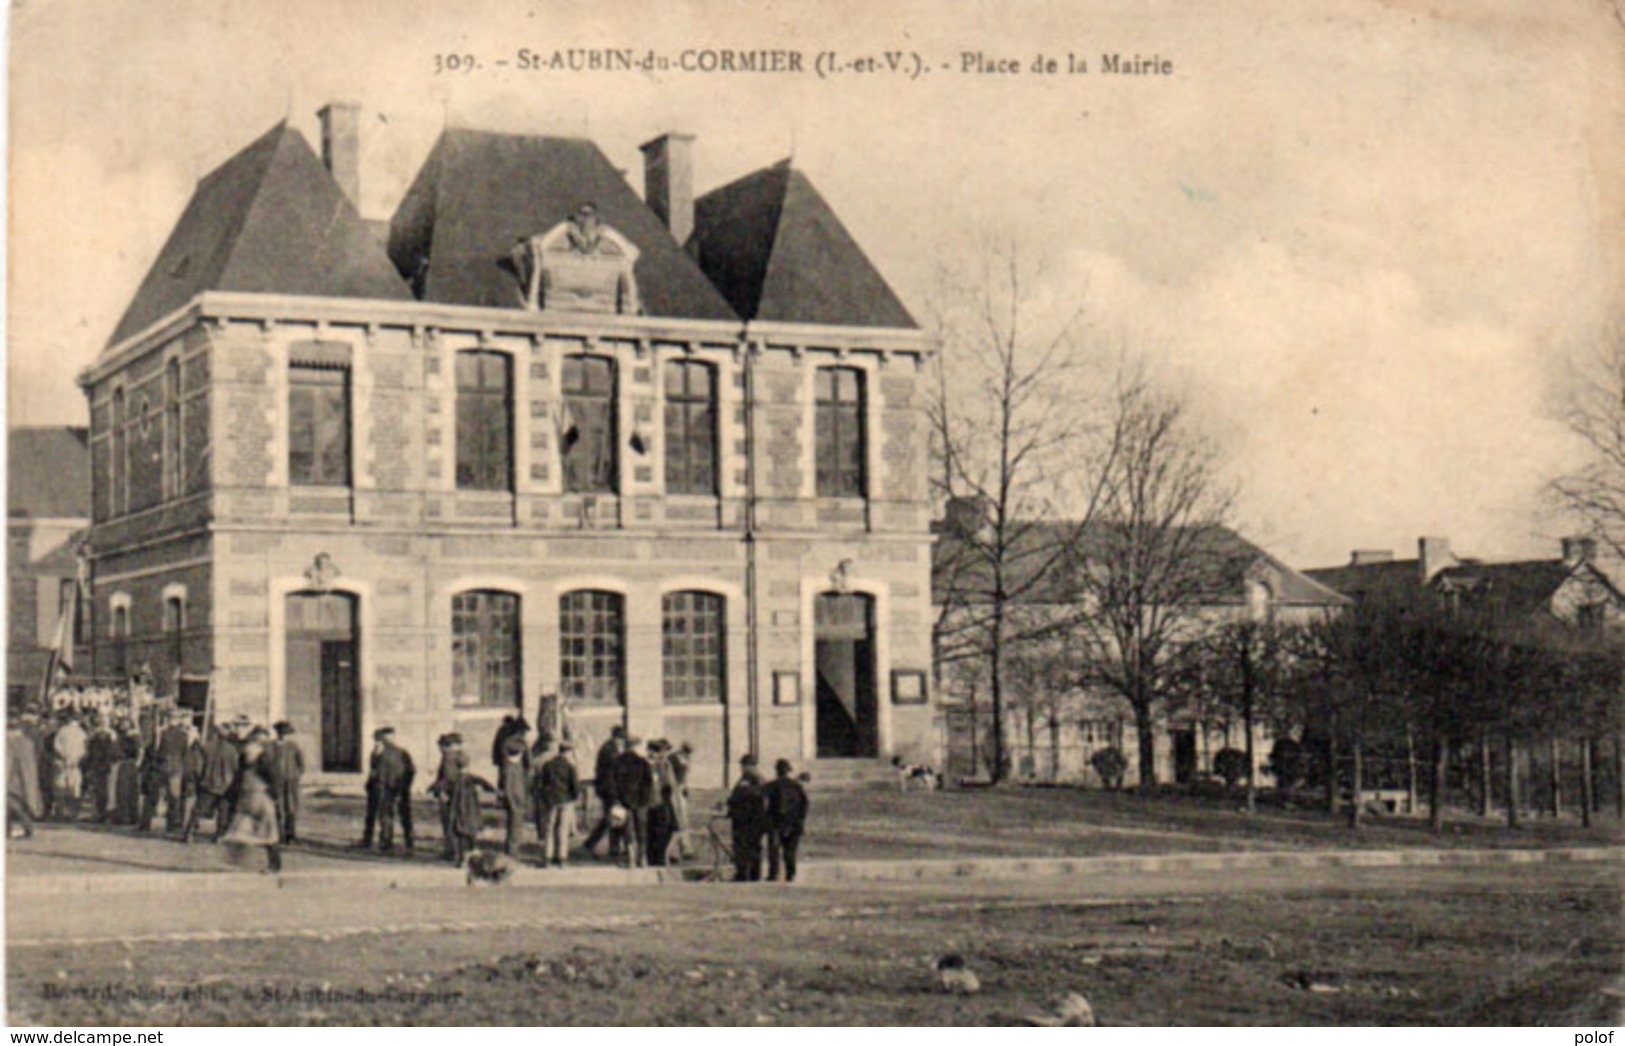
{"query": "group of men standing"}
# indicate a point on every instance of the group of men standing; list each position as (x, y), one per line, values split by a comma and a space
(54, 767)
(774, 811)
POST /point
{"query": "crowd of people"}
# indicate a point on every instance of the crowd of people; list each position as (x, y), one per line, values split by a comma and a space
(87, 760)
(80, 762)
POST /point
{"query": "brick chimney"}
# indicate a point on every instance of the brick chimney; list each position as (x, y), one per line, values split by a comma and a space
(1364, 557)
(341, 146)
(668, 181)
(1578, 550)
(1433, 555)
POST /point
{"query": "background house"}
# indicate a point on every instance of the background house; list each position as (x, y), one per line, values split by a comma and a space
(1053, 725)
(47, 511)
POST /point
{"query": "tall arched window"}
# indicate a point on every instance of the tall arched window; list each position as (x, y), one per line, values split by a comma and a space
(587, 431)
(119, 500)
(840, 435)
(485, 648)
(693, 655)
(484, 421)
(691, 427)
(172, 429)
(592, 647)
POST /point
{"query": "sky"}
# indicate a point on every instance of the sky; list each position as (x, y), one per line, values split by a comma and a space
(1365, 239)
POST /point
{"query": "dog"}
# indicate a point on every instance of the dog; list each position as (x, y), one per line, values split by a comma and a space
(490, 868)
(922, 776)
(955, 977)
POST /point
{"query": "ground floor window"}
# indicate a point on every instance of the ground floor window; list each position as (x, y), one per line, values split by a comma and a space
(485, 648)
(592, 647)
(692, 655)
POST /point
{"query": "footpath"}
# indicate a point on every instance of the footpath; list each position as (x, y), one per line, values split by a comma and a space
(62, 862)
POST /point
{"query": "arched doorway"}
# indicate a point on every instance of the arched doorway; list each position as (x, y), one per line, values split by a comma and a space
(323, 695)
(848, 711)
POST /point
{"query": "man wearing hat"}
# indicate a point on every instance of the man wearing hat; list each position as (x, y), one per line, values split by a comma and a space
(513, 785)
(747, 814)
(635, 790)
(554, 791)
(215, 761)
(287, 762)
(451, 750)
(603, 785)
(389, 791)
(786, 820)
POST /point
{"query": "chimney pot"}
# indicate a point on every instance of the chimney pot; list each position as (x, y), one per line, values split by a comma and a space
(341, 147)
(668, 182)
(1577, 550)
(1362, 557)
(1433, 555)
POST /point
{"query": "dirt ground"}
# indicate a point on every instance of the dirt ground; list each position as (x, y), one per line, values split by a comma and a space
(1488, 946)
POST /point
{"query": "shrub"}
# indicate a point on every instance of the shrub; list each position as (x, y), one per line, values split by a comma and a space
(1111, 765)
(1288, 763)
(1230, 764)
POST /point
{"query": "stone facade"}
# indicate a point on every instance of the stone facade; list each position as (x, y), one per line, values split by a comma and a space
(236, 537)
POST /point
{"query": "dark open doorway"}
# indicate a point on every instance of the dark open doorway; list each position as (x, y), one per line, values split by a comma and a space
(323, 695)
(848, 711)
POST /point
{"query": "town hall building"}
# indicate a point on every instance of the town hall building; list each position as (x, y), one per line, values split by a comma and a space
(663, 457)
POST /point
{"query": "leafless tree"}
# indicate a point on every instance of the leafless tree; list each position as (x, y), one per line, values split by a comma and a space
(1151, 555)
(1006, 417)
(1595, 412)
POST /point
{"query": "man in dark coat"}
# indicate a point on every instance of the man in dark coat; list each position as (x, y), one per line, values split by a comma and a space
(288, 765)
(635, 790)
(554, 791)
(603, 785)
(389, 791)
(101, 755)
(512, 726)
(786, 819)
(747, 813)
(214, 765)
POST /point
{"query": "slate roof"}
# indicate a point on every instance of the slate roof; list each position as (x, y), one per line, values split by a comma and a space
(1394, 579)
(480, 191)
(270, 220)
(1224, 559)
(48, 473)
(777, 251)
(1511, 590)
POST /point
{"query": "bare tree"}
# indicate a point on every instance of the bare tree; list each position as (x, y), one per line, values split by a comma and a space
(1595, 412)
(1005, 415)
(1150, 559)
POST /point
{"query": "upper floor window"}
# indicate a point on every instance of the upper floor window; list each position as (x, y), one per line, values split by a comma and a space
(592, 647)
(587, 433)
(121, 437)
(318, 426)
(172, 430)
(692, 657)
(485, 648)
(175, 614)
(691, 428)
(484, 421)
(840, 435)
(1590, 617)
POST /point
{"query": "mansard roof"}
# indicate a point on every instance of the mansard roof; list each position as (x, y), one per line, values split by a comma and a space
(776, 250)
(481, 191)
(270, 220)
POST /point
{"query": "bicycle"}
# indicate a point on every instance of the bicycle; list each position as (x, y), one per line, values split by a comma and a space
(702, 854)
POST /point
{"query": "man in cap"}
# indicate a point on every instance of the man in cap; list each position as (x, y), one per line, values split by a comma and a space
(287, 761)
(635, 790)
(451, 750)
(603, 785)
(747, 814)
(173, 748)
(786, 820)
(389, 791)
(214, 765)
(513, 786)
(555, 790)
